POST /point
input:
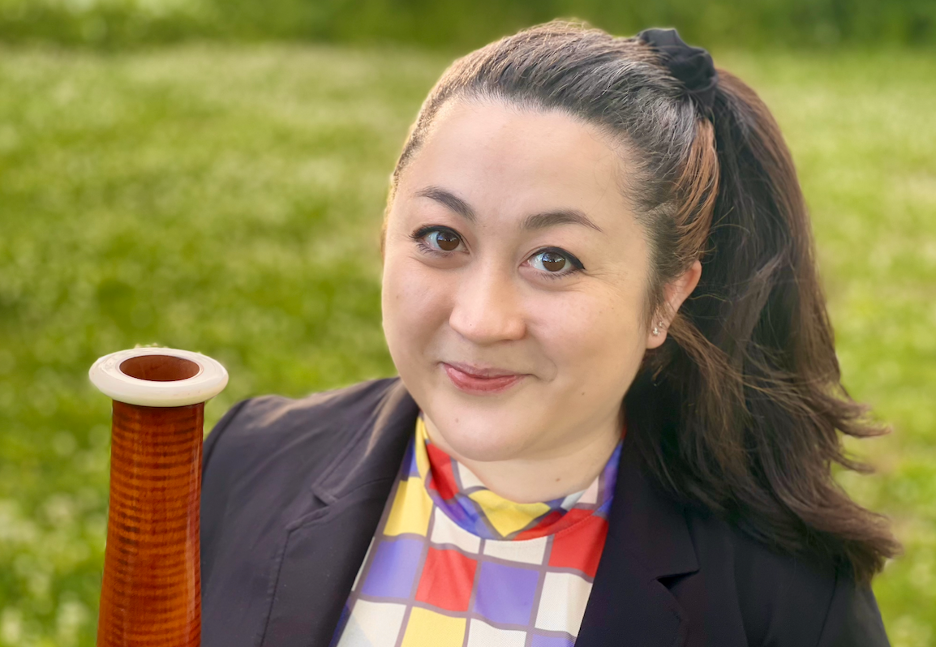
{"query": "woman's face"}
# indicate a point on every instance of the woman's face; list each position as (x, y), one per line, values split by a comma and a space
(511, 250)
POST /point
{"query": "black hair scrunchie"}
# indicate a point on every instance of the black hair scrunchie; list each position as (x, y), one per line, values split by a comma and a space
(693, 66)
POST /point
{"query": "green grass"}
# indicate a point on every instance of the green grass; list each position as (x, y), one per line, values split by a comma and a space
(455, 25)
(227, 200)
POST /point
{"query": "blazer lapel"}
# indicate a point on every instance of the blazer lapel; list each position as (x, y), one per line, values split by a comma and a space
(326, 544)
(648, 539)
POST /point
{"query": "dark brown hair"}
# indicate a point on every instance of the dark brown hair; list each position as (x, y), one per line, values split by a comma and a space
(739, 411)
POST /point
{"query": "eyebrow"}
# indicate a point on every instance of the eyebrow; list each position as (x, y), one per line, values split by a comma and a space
(531, 222)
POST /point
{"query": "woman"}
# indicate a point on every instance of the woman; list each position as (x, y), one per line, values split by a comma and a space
(618, 399)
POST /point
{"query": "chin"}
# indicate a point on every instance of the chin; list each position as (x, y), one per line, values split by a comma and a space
(479, 434)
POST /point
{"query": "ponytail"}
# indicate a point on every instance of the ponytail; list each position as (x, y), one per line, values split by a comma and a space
(741, 408)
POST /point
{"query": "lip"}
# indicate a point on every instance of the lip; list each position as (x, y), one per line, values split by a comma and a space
(481, 372)
(476, 380)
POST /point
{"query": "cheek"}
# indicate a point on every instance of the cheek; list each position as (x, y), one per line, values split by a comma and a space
(414, 300)
(598, 341)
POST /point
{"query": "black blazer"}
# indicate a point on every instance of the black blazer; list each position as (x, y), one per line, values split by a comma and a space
(293, 491)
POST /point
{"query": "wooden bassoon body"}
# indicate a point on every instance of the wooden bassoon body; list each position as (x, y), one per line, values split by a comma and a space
(151, 589)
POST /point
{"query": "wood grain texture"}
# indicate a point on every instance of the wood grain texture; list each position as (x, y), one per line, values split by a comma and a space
(151, 592)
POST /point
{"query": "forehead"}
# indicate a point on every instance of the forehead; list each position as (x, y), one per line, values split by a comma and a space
(503, 158)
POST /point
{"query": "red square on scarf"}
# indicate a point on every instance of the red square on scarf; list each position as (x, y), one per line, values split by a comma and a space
(442, 476)
(579, 547)
(446, 580)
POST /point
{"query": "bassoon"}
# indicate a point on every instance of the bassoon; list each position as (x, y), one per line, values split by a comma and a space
(151, 589)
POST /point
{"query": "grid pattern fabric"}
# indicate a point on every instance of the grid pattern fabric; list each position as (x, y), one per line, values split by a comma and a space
(454, 564)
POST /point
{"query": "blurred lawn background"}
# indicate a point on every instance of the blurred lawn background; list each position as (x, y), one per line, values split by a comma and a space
(211, 175)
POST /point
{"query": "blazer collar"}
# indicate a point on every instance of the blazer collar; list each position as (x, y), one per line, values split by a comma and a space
(325, 542)
(369, 456)
(648, 539)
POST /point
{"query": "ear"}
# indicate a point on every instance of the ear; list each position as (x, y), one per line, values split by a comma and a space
(674, 294)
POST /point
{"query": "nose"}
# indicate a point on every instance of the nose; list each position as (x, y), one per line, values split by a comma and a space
(487, 308)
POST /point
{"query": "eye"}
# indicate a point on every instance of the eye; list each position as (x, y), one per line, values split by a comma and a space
(551, 261)
(446, 240)
(555, 263)
(436, 240)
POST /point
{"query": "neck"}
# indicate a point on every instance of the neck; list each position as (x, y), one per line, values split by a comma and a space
(566, 470)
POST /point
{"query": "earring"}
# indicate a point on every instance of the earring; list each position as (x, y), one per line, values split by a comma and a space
(656, 329)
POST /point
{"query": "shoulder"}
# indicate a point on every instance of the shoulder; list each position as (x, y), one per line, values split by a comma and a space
(262, 463)
(784, 599)
(258, 429)
(265, 453)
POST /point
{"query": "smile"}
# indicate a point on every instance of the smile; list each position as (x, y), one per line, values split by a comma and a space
(478, 385)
